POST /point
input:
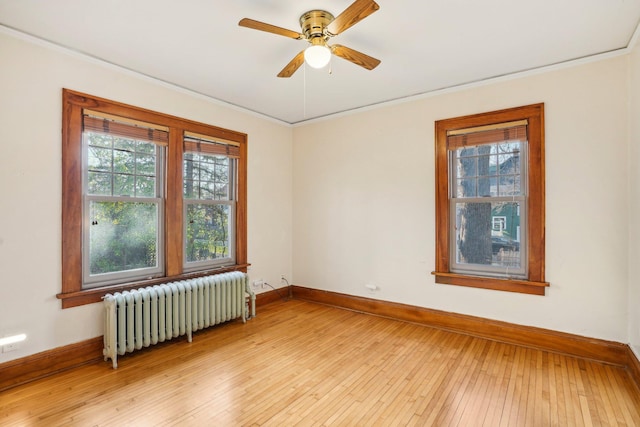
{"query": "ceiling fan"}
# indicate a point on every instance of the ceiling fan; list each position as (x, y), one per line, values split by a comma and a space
(318, 26)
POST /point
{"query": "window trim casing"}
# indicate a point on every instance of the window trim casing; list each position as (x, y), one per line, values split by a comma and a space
(73, 104)
(535, 283)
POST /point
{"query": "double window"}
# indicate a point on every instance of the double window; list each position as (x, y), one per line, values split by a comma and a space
(490, 200)
(147, 198)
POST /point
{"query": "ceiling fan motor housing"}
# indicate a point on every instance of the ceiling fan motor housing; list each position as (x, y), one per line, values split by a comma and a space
(313, 24)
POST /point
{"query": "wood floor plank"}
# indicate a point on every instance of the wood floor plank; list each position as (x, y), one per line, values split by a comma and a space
(572, 403)
(304, 364)
(497, 398)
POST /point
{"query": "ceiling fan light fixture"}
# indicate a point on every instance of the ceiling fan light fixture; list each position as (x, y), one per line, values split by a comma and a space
(317, 56)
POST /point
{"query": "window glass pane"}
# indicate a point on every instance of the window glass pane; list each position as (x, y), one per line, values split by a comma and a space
(123, 161)
(484, 186)
(206, 177)
(493, 161)
(99, 159)
(145, 186)
(207, 190)
(509, 169)
(122, 236)
(208, 232)
(467, 163)
(509, 185)
(189, 189)
(488, 234)
(146, 164)
(222, 172)
(99, 140)
(145, 147)
(467, 151)
(467, 187)
(99, 183)
(222, 192)
(207, 171)
(123, 185)
(124, 144)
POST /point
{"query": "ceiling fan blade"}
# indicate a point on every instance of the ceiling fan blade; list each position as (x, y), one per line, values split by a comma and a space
(257, 25)
(354, 56)
(356, 12)
(292, 66)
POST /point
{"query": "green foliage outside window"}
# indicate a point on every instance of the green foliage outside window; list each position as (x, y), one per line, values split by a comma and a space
(123, 235)
(207, 180)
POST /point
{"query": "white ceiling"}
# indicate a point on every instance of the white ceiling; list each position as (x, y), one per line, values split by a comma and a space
(424, 45)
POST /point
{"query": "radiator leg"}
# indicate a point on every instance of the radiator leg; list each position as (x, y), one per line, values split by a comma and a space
(253, 305)
(245, 307)
(252, 296)
(244, 311)
(110, 331)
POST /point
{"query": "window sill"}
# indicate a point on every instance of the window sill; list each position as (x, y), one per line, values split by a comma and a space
(508, 285)
(93, 295)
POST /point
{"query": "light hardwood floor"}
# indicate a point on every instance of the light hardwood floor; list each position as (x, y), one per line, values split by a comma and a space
(300, 363)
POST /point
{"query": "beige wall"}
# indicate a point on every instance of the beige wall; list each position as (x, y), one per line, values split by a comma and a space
(31, 82)
(364, 201)
(634, 201)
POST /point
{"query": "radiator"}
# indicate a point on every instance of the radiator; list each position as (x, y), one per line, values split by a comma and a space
(144, 317)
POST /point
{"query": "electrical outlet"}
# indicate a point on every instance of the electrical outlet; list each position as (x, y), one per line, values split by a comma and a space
(258, 284)
(371, 287)
(10, 347)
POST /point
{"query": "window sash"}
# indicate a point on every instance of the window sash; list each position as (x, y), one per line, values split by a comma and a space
(211, 262)
(494, 269)
(490, 179)
(114, 277)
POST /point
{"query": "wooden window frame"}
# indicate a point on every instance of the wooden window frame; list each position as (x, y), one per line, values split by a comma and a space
(535, 283)
(73, 105)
